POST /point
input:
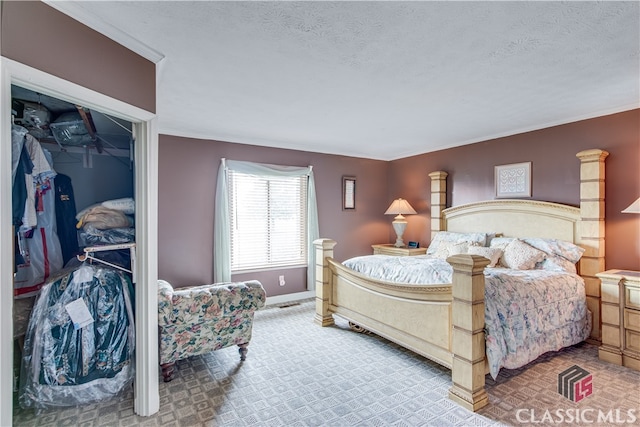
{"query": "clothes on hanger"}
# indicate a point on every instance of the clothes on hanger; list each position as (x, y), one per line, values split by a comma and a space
(80, 340)
(38, 253)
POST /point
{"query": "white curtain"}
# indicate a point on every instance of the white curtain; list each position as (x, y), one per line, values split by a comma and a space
(222, 224)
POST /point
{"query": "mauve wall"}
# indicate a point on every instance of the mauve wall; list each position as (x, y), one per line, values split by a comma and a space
(555, 175)
(37, 35)
(187, 181)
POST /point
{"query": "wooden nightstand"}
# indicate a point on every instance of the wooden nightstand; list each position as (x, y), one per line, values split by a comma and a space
(390, 249)
(620, 291)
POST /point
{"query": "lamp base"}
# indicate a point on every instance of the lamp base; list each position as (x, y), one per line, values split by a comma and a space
(399, 225)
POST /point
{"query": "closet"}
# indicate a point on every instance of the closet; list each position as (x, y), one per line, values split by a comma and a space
(73, 215)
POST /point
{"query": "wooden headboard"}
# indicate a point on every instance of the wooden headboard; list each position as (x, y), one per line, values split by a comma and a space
(582, 225)
(516, 218)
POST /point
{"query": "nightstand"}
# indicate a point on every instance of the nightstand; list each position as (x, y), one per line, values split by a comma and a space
(620, 293)
(390, 249)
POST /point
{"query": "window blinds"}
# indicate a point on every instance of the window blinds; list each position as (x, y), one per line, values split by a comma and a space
(268, 221)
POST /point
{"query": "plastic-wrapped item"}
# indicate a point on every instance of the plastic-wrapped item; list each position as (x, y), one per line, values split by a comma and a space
(35, 115)
(36, 118)
(17, 142)
(69, 129)
(80, 340)
(90, 235)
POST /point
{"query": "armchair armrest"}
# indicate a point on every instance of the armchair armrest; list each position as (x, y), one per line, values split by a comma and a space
(193, 305)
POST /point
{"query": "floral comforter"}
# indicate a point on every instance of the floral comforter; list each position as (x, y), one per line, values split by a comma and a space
(527, 312)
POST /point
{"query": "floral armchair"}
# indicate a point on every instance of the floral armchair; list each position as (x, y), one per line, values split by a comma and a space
(200, 319)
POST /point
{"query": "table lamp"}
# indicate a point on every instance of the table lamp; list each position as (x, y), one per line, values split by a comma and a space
(399, 207)
(633, 207)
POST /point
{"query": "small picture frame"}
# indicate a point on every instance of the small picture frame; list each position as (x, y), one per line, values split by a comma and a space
(348, 193)
(513, 180)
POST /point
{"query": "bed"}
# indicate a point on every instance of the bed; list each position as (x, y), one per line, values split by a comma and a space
(446, 322)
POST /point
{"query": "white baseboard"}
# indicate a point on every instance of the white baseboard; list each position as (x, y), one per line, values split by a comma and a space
(279, 299)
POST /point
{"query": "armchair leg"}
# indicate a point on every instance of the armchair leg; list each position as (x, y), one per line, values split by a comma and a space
(243, 351)
(167, 371)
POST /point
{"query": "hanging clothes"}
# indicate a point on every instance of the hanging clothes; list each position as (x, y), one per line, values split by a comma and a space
(39, 179)
(24, 166)
(39, 253)
(66, 217)
(69, 359)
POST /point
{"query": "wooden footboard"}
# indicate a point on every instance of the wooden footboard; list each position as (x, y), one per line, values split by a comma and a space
(444, 323)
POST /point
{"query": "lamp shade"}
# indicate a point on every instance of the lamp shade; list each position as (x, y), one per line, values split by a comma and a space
(400, 207)
(633, 207)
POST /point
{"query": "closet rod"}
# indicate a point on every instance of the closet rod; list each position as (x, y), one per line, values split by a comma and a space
(88, 254)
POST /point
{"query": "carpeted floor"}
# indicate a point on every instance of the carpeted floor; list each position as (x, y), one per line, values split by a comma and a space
(299, 374)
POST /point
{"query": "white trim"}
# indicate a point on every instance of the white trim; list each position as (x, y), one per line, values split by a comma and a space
(6, 253)
(281, 299)
(146, 392)
(147, 400)
(78, 13)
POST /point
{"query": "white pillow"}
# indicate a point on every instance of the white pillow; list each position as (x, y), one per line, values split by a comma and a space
(492, 254)
(447, 249)
(450, 236)
(126, 205)
(556, 263)
(520, 256)
(500, 242)
(562, 248)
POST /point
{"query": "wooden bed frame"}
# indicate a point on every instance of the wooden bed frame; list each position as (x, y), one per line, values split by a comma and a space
(445, 323)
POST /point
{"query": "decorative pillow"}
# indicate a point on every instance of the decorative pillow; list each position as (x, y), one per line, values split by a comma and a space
(450, 236)
(447, 249)
(500, 242)
(556, 263)
(521, 256)
(492, 254)
(562, 248)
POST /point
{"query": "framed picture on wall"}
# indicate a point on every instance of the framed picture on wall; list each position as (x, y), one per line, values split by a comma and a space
(348, 192)
(513, 180)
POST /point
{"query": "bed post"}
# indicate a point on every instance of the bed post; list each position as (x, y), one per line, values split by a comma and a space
(468, 346)
(438, 200)
(323, 250)
(591, 229)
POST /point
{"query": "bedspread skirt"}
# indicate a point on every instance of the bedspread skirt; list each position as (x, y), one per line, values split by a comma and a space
(529, 313)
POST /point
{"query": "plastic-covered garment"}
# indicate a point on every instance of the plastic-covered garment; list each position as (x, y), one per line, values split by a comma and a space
(17, 142)
(39, 248)
(70, 359)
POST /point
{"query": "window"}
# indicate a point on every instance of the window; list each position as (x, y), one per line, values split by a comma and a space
(268, 220)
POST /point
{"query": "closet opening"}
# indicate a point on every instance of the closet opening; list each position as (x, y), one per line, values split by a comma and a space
(107, 151)
(73, 227)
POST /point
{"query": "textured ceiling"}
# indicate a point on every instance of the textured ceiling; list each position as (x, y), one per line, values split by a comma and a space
(382, 80)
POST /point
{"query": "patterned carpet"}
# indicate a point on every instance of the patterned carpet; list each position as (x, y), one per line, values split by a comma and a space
(299, 374)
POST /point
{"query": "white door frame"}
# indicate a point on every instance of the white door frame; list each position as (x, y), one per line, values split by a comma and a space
(146, 392)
